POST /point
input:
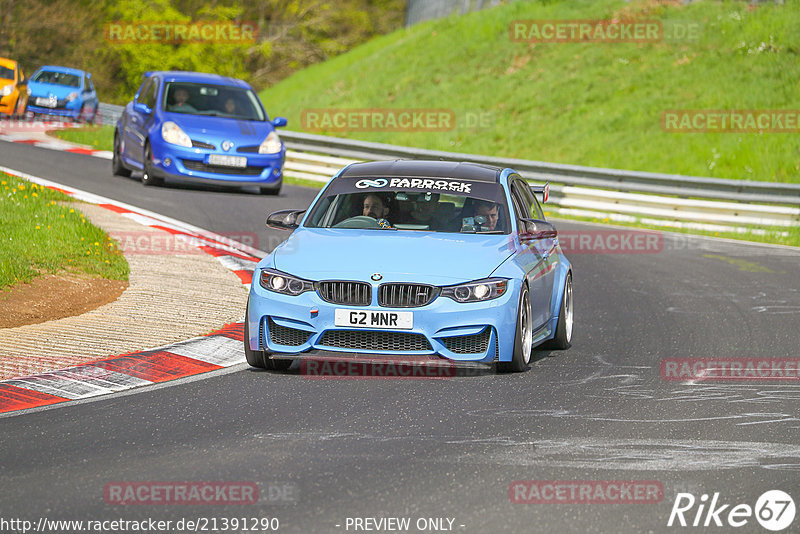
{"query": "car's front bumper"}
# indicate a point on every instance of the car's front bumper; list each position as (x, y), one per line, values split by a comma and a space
(301, 325)
(192, 165)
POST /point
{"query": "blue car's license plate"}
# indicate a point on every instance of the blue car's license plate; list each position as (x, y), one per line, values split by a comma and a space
(374, 319)
(227, 161)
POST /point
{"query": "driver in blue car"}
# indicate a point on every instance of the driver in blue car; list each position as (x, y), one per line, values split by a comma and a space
(377, 208)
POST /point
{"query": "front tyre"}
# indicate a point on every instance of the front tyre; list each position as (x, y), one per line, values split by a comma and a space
(563, 337)
(117, 168)
(148, 176)
(272, 190)
(523, 337)
(260, 358)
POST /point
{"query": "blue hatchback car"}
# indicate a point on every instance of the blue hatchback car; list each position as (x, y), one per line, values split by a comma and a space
(62, 91)
(202, 128)
(423, 259)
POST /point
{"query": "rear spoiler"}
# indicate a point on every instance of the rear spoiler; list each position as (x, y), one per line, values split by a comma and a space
(543, 190)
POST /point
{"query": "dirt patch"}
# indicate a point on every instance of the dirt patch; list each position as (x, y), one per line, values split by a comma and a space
(52, 297)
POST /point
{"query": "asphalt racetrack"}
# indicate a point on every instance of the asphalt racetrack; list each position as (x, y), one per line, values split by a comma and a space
(324, 453)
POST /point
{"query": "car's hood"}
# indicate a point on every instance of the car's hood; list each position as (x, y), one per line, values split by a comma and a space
(47, 89)
(425, 257)
(241, 133)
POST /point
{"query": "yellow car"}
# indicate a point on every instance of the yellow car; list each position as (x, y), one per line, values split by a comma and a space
(13, 91)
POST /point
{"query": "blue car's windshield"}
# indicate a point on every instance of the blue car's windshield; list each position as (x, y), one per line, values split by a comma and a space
(412, 204)
(6, 73)
(57, 78)
(214, 100)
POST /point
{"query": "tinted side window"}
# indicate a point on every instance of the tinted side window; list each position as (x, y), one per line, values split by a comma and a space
(151, 95)
(146, 86)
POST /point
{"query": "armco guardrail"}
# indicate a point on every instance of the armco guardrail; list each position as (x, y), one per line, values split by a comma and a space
(708, 203)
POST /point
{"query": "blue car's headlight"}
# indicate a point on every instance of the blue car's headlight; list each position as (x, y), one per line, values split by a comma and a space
(477, 291)
(72, 96)
(286, 284)
(271, 145)
(172, 134)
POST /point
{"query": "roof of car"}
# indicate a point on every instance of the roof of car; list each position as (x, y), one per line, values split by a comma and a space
(58, 68)
(198, 77)
(427, 169)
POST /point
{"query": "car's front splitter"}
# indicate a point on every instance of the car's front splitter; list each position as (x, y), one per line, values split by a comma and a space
(471, 332)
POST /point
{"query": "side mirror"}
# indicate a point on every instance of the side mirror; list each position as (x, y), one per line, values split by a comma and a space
(285, 219)
(279, 122)
(142, 108)
(535, 229)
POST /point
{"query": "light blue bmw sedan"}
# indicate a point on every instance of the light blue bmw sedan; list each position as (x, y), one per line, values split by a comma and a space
(423, 259)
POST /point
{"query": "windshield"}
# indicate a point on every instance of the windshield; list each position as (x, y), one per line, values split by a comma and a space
(214, 100)
(57, 78)
(434, 204)
(6, 73)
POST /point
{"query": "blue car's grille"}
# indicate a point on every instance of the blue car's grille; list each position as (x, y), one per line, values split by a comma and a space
(369, 340)
(252, 149)
(201, 144)
(193, 165)
(472, 344)
(403, 295)
(282, 335)
(345, 292)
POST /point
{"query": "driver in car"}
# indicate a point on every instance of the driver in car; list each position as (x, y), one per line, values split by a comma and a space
(375, 207)
(181, 97)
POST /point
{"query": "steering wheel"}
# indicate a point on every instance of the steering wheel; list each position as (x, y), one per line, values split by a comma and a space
(359, 221)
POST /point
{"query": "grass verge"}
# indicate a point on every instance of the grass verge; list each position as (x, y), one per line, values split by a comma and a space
(97, 137)
(587, 103)
(40, 235)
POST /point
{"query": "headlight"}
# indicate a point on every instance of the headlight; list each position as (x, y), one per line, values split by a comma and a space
(72, 96)
(173, 135)
(7, 90)
(284, 283)
(271, 145)
(477, 291)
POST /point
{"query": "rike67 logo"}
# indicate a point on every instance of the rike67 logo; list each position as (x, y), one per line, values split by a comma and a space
(774, 510)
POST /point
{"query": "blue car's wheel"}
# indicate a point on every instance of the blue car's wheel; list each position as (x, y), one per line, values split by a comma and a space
(563, 337)
(148, 176)
(260, 358)
(523, 338)
(117, 167)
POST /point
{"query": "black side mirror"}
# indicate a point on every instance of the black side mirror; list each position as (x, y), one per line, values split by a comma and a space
(535, 229)
(285, 219)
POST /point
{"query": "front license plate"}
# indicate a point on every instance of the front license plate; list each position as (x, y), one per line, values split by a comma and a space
(45, 102)
(374, 319)
(227, 161)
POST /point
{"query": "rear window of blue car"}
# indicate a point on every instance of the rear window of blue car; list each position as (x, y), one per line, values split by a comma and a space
(436, 204)
(212, 100)
(57, 78)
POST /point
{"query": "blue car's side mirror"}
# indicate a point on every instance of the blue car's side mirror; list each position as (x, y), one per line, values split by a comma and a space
(142, 108)
(285, 219)
(278, 122)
